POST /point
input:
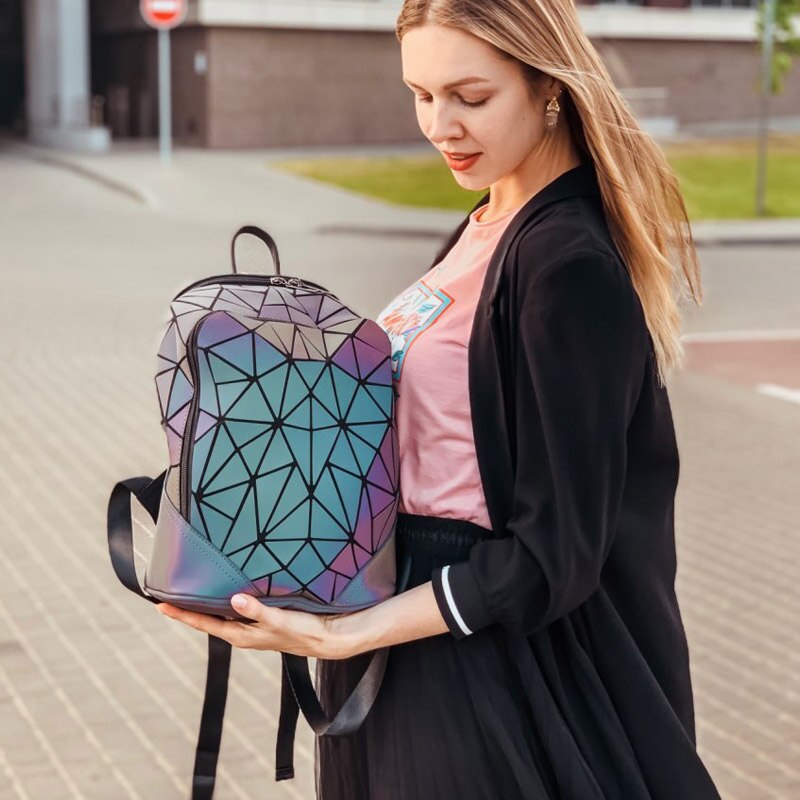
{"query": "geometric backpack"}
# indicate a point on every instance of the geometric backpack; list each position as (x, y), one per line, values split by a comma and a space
(278, 407)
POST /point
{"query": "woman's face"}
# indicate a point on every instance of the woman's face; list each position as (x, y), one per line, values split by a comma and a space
(470, 101)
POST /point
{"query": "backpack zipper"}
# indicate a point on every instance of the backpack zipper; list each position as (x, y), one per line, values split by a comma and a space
(191, 421)
(269, 280)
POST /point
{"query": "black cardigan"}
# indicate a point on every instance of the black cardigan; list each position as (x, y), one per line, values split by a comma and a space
(579, 464)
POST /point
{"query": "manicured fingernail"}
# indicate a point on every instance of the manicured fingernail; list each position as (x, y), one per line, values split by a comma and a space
(239, 601)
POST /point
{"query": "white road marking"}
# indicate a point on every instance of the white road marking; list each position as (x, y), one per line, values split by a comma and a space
(739, 336)
(781, 392)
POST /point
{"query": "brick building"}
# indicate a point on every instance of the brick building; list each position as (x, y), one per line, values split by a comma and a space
(291, 72)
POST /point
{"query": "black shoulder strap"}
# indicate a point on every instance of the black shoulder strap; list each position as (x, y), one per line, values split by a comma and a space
(120, 545)
(120, 526)
(297, 690)
(210, 736)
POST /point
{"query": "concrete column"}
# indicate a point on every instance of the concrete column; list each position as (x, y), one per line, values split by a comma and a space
(57, 76)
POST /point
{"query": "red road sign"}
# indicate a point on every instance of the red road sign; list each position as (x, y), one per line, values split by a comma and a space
(163, 13)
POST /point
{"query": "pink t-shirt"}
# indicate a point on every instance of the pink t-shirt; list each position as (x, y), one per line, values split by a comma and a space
(429, 325)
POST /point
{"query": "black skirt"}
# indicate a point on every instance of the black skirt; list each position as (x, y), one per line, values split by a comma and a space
(449, 721)
(492, 716)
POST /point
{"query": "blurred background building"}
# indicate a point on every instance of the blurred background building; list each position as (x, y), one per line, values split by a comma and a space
(250, 73)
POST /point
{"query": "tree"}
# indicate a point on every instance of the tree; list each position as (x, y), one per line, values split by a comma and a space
(779, 44)
(786, 43)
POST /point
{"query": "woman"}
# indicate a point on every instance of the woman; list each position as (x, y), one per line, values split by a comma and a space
(539, 651)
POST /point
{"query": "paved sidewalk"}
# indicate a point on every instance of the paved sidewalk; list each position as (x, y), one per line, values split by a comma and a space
(134, 169)
(99, 695)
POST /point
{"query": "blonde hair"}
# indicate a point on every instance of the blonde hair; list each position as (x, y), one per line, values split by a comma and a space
(642, 200)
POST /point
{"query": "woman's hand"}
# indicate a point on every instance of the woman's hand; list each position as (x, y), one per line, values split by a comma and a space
(412, 614)
(286, 630)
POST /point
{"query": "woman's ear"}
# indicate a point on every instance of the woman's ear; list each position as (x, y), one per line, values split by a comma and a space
(550, 86)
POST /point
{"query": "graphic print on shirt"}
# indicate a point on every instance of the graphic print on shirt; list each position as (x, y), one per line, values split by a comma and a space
(408, 315)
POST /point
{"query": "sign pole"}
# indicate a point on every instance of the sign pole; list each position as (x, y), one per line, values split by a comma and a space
(164, 15)
(164, 96)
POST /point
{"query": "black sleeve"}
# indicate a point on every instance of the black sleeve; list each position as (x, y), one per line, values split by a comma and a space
(580, 363)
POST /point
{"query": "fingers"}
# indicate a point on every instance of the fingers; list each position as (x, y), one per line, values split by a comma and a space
(236, 633)
(248, 607)
(269, 618)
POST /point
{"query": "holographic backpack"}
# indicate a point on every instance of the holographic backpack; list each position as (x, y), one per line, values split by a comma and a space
(277, 403)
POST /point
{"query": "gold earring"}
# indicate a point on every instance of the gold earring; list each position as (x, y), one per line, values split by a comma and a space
(552, 112)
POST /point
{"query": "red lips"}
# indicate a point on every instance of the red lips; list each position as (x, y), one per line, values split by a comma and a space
(461, 164)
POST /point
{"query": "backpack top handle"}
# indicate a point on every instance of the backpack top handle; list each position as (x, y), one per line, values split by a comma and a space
(254, 230)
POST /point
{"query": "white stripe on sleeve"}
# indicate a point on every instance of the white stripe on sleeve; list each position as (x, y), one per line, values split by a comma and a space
(451, 602)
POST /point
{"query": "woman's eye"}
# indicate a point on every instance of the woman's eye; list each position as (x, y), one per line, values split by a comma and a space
(475, 104)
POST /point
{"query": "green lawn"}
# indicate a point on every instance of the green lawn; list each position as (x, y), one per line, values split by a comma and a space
(717, 178)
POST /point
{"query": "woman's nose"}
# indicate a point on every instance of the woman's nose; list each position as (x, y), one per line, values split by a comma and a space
(443, 124)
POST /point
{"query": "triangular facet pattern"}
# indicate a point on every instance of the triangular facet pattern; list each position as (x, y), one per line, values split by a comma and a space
(277, 402)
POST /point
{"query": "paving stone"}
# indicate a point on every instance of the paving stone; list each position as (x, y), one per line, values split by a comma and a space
(100, 696)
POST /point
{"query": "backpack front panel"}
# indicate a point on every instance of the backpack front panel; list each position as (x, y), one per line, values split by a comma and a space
(285, 447)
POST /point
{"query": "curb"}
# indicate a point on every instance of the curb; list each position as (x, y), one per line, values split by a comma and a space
(742, 237)
(57, 159)
(700, 240)
(749, 241)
